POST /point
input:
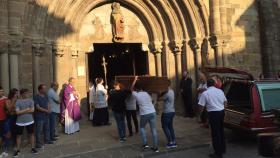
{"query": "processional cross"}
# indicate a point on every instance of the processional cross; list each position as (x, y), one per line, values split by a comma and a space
(104, 64)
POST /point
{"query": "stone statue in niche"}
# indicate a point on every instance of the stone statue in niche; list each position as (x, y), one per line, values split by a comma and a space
(117, 21)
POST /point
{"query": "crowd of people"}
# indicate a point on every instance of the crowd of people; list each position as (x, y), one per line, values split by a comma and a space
(125, 104)
(38, 115)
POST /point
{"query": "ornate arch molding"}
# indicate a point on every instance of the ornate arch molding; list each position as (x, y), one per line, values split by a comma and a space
(165, 21)
(193, 19)
(204, 16)
(169, 19)
(146, 16)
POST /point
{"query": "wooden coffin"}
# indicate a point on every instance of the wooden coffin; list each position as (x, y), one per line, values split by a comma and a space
(151, 84)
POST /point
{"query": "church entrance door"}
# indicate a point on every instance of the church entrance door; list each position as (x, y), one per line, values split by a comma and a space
(112, 59)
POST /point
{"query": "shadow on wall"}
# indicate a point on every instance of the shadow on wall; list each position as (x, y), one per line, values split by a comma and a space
(43, 31)
(244, 47)
(269, 12)
(43, 23)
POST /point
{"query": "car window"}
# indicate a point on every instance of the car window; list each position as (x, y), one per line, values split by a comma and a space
(269, 95)
(238, 94)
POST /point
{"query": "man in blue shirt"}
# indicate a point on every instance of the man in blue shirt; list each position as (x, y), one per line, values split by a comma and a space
(42, 112)
(55, 109)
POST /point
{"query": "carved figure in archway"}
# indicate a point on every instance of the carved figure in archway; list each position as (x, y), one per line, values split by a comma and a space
(117, 21)
(99, 33)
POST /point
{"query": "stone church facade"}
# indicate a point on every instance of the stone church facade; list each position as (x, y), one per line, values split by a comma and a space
(44, 40)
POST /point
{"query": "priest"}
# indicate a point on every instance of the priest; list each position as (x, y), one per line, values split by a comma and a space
(72, 113)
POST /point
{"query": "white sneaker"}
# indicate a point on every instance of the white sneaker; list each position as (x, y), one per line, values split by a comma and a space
(4, 154)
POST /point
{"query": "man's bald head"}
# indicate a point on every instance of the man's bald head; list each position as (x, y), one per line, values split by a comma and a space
(72, 80)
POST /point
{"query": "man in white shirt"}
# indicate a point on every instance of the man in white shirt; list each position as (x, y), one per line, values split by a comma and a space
(147, 114)
(214, 100)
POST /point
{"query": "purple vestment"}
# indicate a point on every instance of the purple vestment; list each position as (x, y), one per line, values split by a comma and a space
(70, 103)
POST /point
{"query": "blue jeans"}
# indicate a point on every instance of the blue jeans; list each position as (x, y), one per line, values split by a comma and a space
(151, 119)
(167, 126)
(120, 120)
(53, 117)
(42, 126)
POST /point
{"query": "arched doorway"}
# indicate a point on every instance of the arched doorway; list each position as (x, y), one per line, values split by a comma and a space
(170, 38)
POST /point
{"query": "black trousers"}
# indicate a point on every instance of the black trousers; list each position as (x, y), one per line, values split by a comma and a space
(216, 120)
(132, 114)
(188, 105)
(100, 116)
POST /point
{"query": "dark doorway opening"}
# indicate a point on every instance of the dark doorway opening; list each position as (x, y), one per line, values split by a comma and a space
(120, 59)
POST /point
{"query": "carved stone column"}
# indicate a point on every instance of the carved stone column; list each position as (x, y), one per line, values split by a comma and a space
(217, 51)
(4, 66)
(184, 56)
(74, 55)
(156, 49)
(37, 51)
(176, 47)
(204, 53)
(14, 51)
(164, 59)
(4, 58)
(58, 52)
(195, 48)
(215, 27)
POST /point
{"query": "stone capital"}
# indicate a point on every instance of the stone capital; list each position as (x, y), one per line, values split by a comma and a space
(156, 47)
(3, 47)
(75, 53)
(214, 41)
(38, 49)
(176, 46)
(14, 46)
(58, 50)
(194, 44)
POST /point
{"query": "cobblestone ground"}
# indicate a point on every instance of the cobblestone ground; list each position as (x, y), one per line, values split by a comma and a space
(102, 142)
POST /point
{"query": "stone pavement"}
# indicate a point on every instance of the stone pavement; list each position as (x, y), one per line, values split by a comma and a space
(96, 142)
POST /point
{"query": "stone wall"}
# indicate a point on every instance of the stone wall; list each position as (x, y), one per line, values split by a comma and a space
(269, 11)
(242, 39)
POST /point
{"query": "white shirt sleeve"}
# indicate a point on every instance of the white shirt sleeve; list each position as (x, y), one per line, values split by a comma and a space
(165, 96)
(134, 94)
(202, 100)
(225, 99)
